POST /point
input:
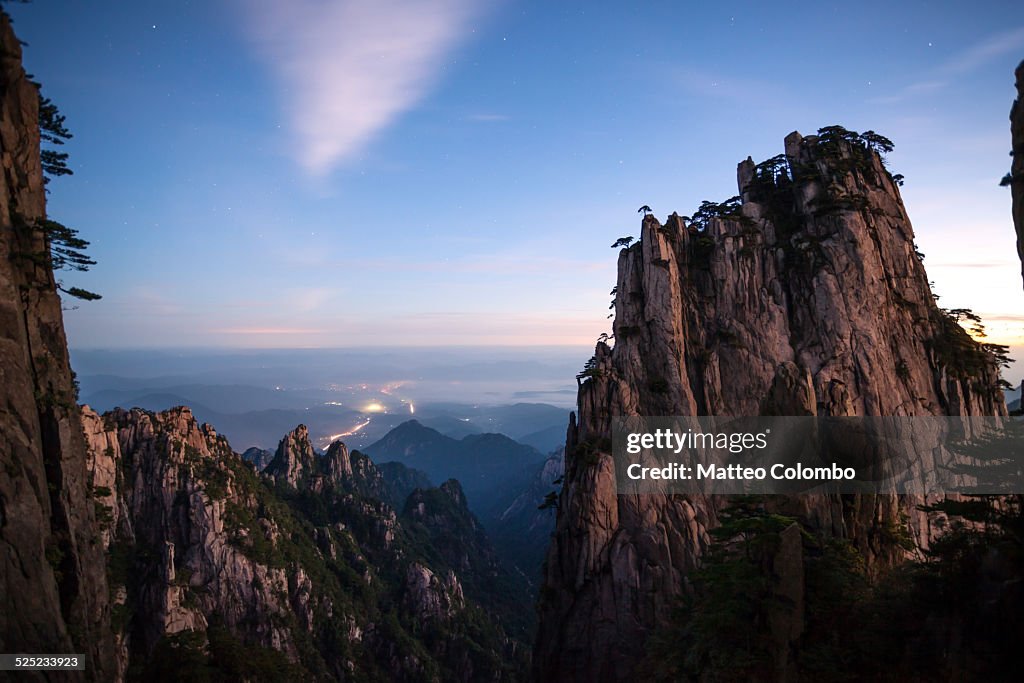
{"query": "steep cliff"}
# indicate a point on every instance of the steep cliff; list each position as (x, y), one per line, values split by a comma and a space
(1017, 166)
(521, 522)
(51, 559)
(804, 295)
(303, 571)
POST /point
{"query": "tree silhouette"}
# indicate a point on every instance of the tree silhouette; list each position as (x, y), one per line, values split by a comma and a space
(730, 208)
(52, 130)
(644, 210)
(622, 242)
(876, 142)
(67, 249)
(771, 170)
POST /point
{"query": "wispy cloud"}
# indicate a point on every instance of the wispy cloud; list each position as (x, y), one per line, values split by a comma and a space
(962, 63)
(981, 53)
(347, 68)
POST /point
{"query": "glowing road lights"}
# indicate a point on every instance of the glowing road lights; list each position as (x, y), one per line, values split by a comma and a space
(354, 430)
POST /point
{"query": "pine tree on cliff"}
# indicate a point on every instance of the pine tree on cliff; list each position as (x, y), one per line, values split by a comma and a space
(67, 249)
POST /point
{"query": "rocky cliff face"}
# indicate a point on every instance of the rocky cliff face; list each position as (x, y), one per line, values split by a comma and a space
(178, 534)
(1017, 167)
(802, 296)
(303, 571)
(521, 523)
(51, 561)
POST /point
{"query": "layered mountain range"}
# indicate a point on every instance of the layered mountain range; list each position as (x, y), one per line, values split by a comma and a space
(804, 295)
(482, 462)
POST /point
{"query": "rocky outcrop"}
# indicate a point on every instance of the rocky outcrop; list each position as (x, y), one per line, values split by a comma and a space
(181, 533)
(297, 464)
(295, 458)
(302, 568)
(258, 457)
(1017, 166)
(521, 523)
(524, 507)
(803, 296)
(456, 537)
(51, 560)
(398, 481)
(432, 597)
(454, 531)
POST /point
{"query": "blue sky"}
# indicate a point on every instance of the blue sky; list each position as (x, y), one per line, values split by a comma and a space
(316, 173)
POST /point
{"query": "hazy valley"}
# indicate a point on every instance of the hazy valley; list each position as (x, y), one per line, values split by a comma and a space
(255, 396)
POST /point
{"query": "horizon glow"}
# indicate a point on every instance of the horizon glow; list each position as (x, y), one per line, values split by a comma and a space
(253, 179)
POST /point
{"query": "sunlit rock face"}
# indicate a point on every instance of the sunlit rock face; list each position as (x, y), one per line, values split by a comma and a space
(805, 297)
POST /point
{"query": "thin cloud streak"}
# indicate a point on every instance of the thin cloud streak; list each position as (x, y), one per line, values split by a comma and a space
(347, 69)
(979, 54)
(961, 64)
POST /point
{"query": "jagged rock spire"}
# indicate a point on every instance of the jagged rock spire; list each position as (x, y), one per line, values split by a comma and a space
(806, 298)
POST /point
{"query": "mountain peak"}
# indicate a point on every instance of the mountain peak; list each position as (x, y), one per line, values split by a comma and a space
(453, 489)
(337, 463)
(803, 295)
(295, 458)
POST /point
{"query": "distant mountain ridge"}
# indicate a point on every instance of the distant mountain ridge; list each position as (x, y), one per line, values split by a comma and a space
(253, 415)
(479, 461)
